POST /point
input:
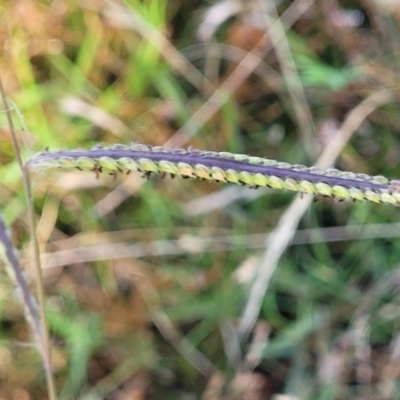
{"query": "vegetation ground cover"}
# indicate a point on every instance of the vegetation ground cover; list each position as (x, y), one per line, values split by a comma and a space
(149, 282)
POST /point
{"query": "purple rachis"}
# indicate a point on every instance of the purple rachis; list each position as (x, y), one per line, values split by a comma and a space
(195, 157)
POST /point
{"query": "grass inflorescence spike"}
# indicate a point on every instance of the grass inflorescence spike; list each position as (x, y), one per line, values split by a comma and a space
(9, 257)
(224, 167)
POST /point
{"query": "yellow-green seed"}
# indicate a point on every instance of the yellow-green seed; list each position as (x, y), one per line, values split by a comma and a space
(186, 170)
(380, 180)
(283, 165)
(225, 154)
(246, 178)
(276, 183)
(140, 147)
(159, 149)
(168, 167)
(147, 165)
(332, 172)
(67, 162)
(231, 176)
(217, 174)
(260, 179)
(126, 163)
(372, 196)
(255, 160)
(307, 187)
(240, 157)
(269, 163)
(363, 177)
(291, 184)
(340, 192)
(323, 189)
(316, 170)
(108, 163)
(356, 194)
(86, 163)
(388, 198)
(299, 167)
(119, 146)
(202, 171)
(208, 153)
(347, 175)
(396, 195)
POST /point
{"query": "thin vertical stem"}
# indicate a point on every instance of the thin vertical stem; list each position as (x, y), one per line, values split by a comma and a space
(45, 338)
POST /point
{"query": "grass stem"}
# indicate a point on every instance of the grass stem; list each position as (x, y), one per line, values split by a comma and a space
(45, 338)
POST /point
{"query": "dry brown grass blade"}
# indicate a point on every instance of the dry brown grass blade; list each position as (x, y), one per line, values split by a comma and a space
(291, 78)
(236, 78)
(70, 251)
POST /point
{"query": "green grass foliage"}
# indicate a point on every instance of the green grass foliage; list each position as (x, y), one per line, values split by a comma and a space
(147, 280)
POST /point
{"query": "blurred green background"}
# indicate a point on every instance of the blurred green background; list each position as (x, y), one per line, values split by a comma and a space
(146, 281)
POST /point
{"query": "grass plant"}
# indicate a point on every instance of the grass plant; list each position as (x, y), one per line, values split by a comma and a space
(188, 289)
